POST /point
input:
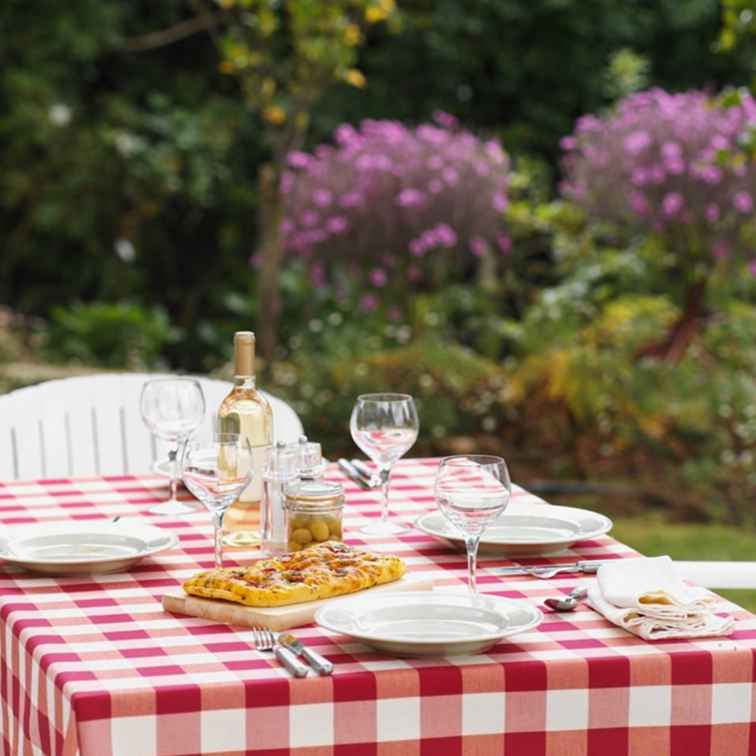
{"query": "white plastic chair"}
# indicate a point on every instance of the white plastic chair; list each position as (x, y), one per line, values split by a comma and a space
(91, 425)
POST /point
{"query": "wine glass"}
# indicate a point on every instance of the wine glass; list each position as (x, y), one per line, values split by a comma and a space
(472, 490)
(384, 426)
(172, 408)
(216, 473)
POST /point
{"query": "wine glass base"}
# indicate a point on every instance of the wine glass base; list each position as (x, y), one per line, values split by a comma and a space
(175, 507)
(385, 528)
(242, 538)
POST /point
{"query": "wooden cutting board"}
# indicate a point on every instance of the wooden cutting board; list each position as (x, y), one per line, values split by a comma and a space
(275, 618)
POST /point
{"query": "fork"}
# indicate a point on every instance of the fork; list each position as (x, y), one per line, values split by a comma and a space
(265, 640)
(548, 572)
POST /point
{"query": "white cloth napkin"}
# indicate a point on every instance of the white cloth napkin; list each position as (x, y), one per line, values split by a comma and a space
(646, 597)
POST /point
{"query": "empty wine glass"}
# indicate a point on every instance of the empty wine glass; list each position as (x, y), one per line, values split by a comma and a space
(172, 408)
(472, 490)
(216, 473)
(385, 427)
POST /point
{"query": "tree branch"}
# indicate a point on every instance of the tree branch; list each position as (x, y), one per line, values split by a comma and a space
(181, 30)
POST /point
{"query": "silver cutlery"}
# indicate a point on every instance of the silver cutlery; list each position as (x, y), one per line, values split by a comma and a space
(363, 470)
(351, 472)
(549, 570)
(319, 663)
(265, 640)
(569, 602)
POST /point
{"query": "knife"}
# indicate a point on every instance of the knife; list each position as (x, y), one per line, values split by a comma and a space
(363, 469)
(585, 565)
(351, 472)
(319, 663)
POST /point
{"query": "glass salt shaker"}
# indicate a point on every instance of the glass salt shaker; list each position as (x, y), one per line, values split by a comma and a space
(282, 470)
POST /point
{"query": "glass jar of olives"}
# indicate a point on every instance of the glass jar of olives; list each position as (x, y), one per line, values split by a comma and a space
(314, 510)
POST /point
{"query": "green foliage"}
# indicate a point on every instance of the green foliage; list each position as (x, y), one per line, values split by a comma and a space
(456, 390)
(112, 336)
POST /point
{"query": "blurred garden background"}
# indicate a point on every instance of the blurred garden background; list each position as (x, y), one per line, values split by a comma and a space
(536, 217)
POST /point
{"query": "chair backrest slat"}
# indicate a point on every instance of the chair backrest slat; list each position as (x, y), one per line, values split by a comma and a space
(91, 425)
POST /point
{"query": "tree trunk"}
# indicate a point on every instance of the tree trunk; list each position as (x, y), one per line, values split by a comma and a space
(674, 345)
(270, 254)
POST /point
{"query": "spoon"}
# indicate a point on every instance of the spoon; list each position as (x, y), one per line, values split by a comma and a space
(569, 602)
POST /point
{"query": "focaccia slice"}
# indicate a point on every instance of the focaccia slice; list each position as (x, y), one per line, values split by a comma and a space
(328, 569)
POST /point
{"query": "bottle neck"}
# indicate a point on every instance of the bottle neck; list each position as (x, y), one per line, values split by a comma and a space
(244, 381)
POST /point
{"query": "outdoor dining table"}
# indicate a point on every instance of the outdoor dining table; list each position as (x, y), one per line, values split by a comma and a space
(94, 665)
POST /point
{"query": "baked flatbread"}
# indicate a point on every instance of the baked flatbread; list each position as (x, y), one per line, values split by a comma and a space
(328, 569)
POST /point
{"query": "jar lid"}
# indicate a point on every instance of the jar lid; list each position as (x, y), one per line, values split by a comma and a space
(314, 493)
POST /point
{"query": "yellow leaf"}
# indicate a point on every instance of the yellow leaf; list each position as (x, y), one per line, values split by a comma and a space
(355, 77)
(352, 35)
(375, 13)
(274, 114)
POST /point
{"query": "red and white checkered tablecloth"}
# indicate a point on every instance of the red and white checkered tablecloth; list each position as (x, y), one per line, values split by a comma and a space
(95, 666)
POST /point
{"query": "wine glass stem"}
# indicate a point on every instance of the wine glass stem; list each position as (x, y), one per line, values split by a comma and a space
(385, 474)
(471, 542)
(218, 538)
(173, 456)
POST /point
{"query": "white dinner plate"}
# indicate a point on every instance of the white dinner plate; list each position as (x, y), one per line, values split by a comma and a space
(428, 623)
(540, 530)
(77, 548)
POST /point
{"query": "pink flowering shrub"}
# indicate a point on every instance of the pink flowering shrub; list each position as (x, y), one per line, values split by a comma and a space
(390, 204)
(678, 165)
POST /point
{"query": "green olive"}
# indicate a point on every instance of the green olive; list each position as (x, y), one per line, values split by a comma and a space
(301, 536)
(299, 521)
(319, 530)
(292, 546)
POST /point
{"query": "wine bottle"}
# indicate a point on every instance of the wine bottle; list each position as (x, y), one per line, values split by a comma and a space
(247, 412)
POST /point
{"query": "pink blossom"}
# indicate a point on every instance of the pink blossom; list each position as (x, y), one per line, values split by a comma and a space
(636, 142)
(410, 198)
(640, 177)
(435, 186)
(671, 151)
(337, 224)
(450, 176)
(743, 202)
(752, 267)
(286, 227)
(417, 247)
(447, 120)
(500, 202)
(378, 277)
(504, 242)
(568, 143)
(445, 235)
(672, 204)
(298, 159)
(322, 197)
(310, 218)
(674, 167)
(369, 303)
(478, 246)
(435, 162)
(712, 212)
(352, 199)
(638, 202)
(287, 182)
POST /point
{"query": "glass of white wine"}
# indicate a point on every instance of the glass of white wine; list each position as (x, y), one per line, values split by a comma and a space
(472, 490)
(173, 408)
(384, 426)
(216, 473)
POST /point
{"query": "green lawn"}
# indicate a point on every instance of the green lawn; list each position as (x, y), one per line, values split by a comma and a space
(653, 536)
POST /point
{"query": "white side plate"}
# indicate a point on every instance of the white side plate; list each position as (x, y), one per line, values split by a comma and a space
(76, 548)
(429, 623)
(541, 530)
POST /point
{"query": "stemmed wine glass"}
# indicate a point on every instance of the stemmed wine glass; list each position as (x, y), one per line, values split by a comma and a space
(472, 490)
(173, 408)
(216, 473)
(385, 427)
